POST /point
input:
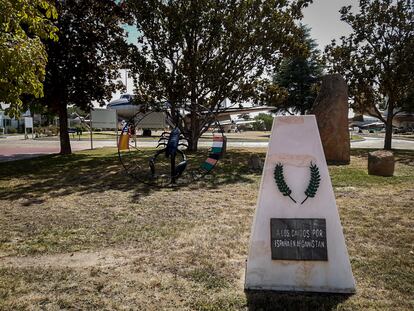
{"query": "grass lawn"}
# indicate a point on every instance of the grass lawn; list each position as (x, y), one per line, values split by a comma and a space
(77, 234)
(356, 137)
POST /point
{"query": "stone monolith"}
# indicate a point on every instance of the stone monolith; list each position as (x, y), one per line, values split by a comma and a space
(331, 111)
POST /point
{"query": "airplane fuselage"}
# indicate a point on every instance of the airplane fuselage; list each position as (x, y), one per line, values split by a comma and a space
(124, 107)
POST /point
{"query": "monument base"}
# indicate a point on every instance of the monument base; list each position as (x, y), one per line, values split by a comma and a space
(283, 289)
(297, 243)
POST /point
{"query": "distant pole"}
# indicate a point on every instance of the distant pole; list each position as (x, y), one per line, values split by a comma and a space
(91, 132)
(116, 129)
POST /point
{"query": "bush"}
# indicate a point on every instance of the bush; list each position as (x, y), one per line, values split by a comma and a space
(50, 130)
(245, 127)
(263, 122)
(82, 127)
(259, 125)
(11, 130)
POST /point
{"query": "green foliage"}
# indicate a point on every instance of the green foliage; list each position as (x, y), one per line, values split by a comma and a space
(195, 54)
(74, 110)
(50, 130)
(263, 122)
(259, 126)
(86, 59)
(91, 48)
(376, 58)
(11, 130)
(299, 75)
(23, 23)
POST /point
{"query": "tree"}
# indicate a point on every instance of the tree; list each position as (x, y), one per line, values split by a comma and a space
(194, 54)
(376, 58)
(23, 58)
(263, 122)
(299, 76)
(84, 62)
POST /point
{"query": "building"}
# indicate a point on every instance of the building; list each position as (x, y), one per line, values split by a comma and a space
(11, 125)
(404, 120)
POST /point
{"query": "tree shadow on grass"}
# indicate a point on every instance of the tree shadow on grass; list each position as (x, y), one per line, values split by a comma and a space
(271, 300)
(84, 173)
(18, 156)
(232, 169)
(57, 175)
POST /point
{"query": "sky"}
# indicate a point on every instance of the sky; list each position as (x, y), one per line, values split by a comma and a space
(324, 19)
(322, 16)
(132, 33)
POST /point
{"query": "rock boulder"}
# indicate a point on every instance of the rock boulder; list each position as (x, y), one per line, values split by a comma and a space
(255, 163)
(381, 163)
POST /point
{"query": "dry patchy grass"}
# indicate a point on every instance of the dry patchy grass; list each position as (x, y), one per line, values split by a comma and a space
(75, 233)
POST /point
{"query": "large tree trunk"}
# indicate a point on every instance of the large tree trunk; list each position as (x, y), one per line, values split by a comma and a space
(388, 127)
(194, 132)
(195, 122)
(193, 142)
(63, 129)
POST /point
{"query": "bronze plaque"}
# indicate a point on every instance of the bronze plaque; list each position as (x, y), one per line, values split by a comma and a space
(298, 239)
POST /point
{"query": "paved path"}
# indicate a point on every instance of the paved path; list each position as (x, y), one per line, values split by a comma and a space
(378, 143)
(15, 147)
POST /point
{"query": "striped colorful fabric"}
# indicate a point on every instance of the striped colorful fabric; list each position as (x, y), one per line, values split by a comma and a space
(207, 166)
(214, 156)
(215, 153)
(216, 149)
(218, 144)
(211, 161)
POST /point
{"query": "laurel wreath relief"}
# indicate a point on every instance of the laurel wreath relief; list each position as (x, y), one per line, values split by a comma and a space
(310, 191)
(280, 181)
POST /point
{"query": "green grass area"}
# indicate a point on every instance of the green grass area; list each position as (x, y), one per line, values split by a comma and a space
(77, 233)
(355, 137)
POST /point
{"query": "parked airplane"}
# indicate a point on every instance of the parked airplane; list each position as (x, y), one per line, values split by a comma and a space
(124, 106)
(367, 122)
(126, 109)
(373, 125)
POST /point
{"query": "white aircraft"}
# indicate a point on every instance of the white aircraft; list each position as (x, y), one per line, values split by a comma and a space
(373, 125)
(126, 110)
(368, 122)
(124, 106)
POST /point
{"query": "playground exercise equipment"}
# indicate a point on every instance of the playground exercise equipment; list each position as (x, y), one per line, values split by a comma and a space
(167, 164)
